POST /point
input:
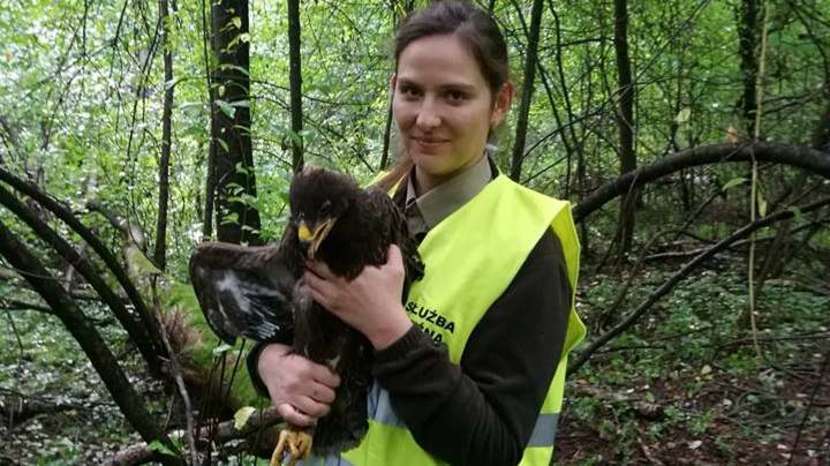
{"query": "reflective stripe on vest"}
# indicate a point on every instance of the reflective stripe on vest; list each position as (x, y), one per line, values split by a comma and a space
(502, 224)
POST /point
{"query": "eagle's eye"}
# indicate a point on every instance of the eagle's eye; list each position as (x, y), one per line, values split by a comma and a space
(325, 209)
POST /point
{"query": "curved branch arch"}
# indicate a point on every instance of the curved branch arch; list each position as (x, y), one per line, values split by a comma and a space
(800, 156)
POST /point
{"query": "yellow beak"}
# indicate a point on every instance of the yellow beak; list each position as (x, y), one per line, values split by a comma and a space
(304, 233)
(316, 237)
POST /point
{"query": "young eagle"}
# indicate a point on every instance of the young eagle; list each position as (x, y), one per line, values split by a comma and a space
(256, 292)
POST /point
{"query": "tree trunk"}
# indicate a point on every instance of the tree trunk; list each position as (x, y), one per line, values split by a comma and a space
(237, 220)
(625, 121)
(821, 135)
(160, 254)
(295, 78)
(527, 90)
(748, 32)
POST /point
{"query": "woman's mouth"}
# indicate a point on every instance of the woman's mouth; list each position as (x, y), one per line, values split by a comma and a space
(429, 143)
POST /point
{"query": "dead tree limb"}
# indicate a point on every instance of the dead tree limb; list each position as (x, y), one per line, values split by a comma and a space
(91, 342)
(225, 432)
(799, 156)
(137, 332)
(669, 284)
(109, 259)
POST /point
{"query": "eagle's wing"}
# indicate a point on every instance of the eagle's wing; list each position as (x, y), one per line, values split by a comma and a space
(243, 291)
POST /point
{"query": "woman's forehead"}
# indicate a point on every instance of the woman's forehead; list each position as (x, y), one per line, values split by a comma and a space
(441, 58)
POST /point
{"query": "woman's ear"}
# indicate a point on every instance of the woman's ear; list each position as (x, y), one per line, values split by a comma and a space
(501, 104)
(392, 81)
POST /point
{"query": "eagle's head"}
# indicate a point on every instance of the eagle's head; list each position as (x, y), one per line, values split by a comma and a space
(319, 198)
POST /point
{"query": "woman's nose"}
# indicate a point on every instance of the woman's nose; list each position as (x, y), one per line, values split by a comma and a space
(428, 116)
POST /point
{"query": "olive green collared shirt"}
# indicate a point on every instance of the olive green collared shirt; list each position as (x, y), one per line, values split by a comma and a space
(425, 211)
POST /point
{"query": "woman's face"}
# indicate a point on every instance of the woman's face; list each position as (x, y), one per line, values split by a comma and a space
(443, 107)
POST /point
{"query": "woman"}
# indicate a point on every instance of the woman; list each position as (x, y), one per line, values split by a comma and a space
(470, 369)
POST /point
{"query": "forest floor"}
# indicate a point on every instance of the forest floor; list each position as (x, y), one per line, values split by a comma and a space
(684, 386)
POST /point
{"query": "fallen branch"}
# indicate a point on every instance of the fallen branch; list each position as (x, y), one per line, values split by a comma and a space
(176, 371)
(224, 433)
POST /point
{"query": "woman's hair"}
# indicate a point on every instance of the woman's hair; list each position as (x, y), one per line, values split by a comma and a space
(476, 30)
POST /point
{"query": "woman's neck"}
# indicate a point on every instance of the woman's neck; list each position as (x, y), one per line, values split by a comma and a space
(425, 182)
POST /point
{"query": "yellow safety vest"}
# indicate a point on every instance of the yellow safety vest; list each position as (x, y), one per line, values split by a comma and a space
(471, 257)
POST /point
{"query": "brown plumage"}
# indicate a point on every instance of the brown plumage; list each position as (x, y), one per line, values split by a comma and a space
(255, 291)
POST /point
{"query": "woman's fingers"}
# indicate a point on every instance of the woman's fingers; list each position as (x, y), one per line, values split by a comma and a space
(325, 376)
(394, 255)
(310, 407)
(294, 416)
(322, 393)
(320, 289)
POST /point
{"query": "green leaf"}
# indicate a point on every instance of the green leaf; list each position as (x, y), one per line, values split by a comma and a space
(243, 37)
(237, 21)
(226, 108)
(222, 349)
(229, 66)
(733, 182)
(683, 115)
(223, 144)
(159, 447)
(762, 204)
(796, 212)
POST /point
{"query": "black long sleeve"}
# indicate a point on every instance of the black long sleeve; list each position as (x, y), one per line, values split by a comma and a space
(483, 411)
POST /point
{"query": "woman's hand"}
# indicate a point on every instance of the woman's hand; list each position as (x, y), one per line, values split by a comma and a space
(301, 390)
(371, 303)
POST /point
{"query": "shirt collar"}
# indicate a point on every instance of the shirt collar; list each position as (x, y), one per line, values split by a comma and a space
(438, 203)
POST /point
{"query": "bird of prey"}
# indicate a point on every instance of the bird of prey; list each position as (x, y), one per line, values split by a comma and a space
(257, 292)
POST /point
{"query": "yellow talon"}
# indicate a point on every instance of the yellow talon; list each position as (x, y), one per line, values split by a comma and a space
(298, 443)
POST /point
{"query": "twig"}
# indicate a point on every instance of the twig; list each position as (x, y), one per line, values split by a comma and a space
(15, 305)
(753, 203)
(176, 372)
(16, 333)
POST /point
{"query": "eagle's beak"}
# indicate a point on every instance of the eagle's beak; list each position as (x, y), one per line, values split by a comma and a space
(315, 238)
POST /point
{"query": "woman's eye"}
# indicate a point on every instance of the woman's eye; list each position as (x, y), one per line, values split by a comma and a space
(409, 91)
(455, 96)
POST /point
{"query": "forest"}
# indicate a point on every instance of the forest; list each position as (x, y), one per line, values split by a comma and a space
(692, 138)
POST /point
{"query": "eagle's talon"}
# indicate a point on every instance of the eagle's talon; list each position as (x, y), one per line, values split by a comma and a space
(298, 443)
